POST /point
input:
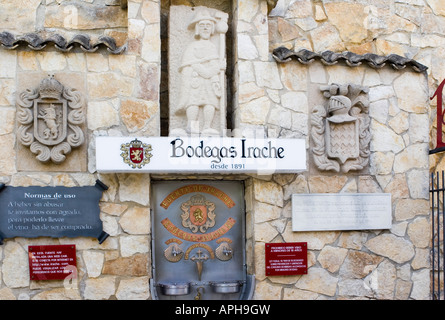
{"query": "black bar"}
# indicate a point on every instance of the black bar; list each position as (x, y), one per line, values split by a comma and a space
(102, 237)
(438, 238)
(443, 227)
(432, 233)
(437, 150)
(101, 185)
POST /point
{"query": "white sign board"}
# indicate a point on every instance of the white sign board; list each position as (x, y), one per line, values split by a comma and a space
(200, 155)
(327, 211)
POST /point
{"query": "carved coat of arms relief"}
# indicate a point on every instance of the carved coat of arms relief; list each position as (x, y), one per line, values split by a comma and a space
(50, 119)
(340, 129)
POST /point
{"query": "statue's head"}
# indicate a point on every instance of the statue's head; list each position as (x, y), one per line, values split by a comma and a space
(339, 105)
(204, 24)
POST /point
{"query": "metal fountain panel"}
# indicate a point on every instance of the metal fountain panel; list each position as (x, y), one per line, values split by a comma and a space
(199, 240)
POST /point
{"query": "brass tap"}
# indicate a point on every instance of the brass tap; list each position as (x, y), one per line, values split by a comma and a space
(198, 296)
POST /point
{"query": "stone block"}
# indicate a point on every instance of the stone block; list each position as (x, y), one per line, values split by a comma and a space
(135, 114)
(102, 114)
(15, 266)
(133, 289)
(25, 17)
(391, 246)
(109, 85)
(84, 16)
(100, 288)
(136, 221)
(135, 265)
(318, 280)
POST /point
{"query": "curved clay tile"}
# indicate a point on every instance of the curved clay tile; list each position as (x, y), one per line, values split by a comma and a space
(304, 56)
(36, 42)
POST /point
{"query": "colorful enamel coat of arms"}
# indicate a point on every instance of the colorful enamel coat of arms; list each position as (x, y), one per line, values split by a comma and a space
(198, 214)
(136, 153)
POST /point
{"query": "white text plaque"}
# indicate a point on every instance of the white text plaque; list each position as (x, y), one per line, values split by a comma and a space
(327, 211)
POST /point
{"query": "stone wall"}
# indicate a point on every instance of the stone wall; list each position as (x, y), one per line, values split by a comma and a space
(269, 99)
(279, 99)
(368, 264)
(66, 17)
(122, 98)
(412, 29)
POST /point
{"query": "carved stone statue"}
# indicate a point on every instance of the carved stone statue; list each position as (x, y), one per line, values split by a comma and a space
(199, 79)
(50, 117)
(340, 130)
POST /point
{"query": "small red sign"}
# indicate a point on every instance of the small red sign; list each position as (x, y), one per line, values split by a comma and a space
(285, 259)
(52, 262)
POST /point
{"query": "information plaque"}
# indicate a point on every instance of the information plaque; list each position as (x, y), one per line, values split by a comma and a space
(52, 262)
(285, 259)
(341, 211)
(56, 212)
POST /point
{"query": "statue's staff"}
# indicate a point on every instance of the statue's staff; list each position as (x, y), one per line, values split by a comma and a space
(221, 28)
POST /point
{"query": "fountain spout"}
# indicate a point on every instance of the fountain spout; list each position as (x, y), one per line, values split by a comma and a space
(199, 259)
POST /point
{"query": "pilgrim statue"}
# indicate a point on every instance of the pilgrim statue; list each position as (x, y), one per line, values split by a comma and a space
(201, 75)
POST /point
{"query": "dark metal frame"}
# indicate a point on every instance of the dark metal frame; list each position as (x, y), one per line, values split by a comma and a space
(437, 196)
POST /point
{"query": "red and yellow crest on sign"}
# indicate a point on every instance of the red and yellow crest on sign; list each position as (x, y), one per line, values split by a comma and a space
(198, 215)
(136, 153)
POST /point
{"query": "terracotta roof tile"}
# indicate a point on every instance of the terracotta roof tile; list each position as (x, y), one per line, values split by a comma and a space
(37, 42)
(304, 56)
